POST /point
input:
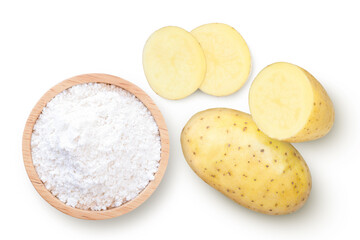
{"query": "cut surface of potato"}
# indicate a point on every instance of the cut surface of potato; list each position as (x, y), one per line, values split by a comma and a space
(289, 104)
(227, 57)
(226, 149)
(174, 63)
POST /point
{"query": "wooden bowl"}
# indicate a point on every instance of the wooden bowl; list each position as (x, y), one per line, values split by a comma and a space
(39, 185)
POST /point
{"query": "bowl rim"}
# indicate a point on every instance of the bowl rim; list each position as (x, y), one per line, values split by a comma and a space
(39, 185)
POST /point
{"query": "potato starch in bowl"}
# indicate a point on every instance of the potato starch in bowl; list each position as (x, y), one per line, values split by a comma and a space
(95, 146)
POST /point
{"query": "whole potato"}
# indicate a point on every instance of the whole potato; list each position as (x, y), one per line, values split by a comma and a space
(226, 149)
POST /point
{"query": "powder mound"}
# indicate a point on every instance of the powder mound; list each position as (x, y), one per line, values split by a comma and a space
(95, 146)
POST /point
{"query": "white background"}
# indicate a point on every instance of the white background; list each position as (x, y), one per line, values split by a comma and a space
(45, 42)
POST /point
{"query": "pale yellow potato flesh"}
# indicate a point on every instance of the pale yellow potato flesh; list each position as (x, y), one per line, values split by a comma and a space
(174, 63)
(287, 103)
(227, 57)
(226, 149)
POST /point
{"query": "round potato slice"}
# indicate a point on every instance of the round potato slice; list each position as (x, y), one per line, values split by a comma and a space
(287, 103)
(227, 57)
(174, 63)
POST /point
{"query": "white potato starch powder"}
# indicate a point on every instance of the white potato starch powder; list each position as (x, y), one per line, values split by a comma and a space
(95, 146)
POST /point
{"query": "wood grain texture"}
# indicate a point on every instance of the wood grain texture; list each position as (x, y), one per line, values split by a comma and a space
(88, 214)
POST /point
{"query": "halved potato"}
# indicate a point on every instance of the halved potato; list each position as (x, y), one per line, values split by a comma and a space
(174, 63)
(227, 57)
(287, 103)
